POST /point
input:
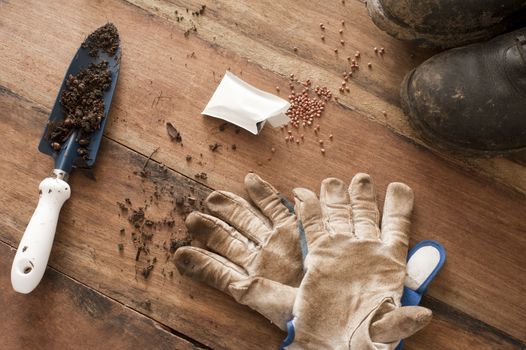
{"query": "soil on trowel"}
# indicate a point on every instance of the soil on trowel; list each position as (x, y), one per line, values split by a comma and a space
(82, 99)
(105, 38)
(83, 106)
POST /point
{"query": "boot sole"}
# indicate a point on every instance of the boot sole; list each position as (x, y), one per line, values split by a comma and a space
(402, 31)
(424, 132)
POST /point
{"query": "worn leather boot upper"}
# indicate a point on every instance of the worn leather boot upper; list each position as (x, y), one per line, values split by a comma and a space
(446, 23)
(472, 99)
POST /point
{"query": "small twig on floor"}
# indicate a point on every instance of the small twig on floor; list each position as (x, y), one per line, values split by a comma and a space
(150, 157)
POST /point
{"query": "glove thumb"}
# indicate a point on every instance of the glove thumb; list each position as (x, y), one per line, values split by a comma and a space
(400, 323)
(271, 299)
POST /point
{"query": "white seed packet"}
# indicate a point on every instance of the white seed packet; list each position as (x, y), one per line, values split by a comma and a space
(242, 104)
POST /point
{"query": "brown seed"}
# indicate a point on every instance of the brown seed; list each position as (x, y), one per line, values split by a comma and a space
(342, 42)
(277, 88)
(382, 50)
(369, 65)
(341, 31)
(273, 150)
(357, 54)
(348, 58)
(375, 49)
(322, 150)
(323, 38)
(384, 113)
(295, 49)
(330, 137)
(343, 23)
(55, 146)
(320, 142)
(335, 50)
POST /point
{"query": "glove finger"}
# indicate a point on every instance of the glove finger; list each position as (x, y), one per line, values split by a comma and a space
(400, 323)
(336, 206)
(207, 267)
(364, 209)
(267, 199)
(308, 211)
(396, 219)
(271, 299)
(221, 238)
(240, 214)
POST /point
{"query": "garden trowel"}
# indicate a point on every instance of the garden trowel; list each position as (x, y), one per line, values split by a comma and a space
(34, 249)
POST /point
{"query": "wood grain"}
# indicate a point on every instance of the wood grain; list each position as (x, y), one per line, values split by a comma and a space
(64, 314)
(86, 248)
(86, 243)
(266, 32)
(478, 221)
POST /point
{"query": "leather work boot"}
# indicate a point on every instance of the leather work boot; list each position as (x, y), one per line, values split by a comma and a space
(446, 23)
(471, 99)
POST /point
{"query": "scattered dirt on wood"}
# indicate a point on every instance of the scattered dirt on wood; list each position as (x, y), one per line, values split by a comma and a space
(214, 146)
(200, 11)
(137, 217)
(156, 227)
(105, 38)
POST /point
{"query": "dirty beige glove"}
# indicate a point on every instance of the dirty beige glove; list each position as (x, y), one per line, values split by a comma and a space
(241, 241)
(354, 271)
(235, 259)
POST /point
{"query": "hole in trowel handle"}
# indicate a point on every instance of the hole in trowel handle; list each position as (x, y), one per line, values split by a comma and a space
(25, 267)
(24, 249)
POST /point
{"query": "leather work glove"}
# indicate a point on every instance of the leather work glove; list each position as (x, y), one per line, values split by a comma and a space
(241, 241)
(254, 254)
(354, 271)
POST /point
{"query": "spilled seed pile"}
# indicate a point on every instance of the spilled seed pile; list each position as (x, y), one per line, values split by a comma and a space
(82, 99)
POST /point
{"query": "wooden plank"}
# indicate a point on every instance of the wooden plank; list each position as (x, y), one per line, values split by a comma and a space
(86, 245)
(267, 32)
(64, 314)
(225, 26)
(478, 222)
(451, 329)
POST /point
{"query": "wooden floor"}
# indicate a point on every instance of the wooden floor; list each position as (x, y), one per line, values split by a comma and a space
(93, 296)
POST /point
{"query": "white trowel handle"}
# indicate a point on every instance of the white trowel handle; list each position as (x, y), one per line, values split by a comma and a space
(33, 251)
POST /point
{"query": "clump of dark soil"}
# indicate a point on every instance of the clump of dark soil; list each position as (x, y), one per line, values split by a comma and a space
(105, 38)
(83, 106)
